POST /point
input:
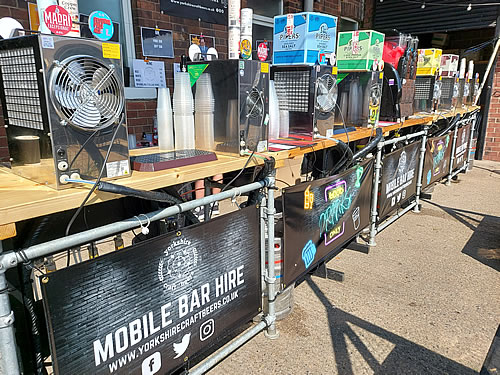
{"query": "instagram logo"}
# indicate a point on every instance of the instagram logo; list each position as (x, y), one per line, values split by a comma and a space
(207, 329)
(152, 364)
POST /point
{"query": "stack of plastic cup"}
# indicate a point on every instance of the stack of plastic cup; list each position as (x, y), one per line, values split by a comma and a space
(165, 123)
(183, 112)
(233, 38)
(204, 113)
(246, 31)
(274, 113)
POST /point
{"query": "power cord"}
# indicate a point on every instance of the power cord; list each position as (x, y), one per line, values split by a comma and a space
(92, 189)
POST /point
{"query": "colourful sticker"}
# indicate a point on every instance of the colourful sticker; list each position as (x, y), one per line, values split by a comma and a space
(246, 49)
(262, 51)
(111, 50)
(57, 19)
(264, 68)
(334, 70)
(101, 25)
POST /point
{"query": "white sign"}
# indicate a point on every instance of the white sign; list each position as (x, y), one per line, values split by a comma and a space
(149, 73)
(72, 7)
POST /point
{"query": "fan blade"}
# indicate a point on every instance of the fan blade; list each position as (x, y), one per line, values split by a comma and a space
(107, 104)
(98, 77)
(87, 116)
(76, 72)
(67, 98)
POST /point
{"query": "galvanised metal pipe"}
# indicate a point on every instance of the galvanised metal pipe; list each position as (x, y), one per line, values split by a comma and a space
(420, 173)
(8, 355)
(403, 138)
(396, 216)
(373, 210)
(262, 221)
(471, 138)
(271, 332)
(453, 154)
(228, 349)
(12, 258)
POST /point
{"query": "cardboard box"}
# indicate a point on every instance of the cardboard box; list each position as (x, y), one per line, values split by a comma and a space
(449, 65)
(429, 61)
(357, 50)
(303, 38)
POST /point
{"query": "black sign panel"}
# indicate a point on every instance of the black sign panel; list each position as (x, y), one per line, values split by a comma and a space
(157, 42)
(399, 178)
(147, 308)
(437, 159)
(211, 11)
(322, 215)
(463, 136)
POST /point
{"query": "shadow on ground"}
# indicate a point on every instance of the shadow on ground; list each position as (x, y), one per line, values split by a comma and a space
(484, 245)
(406, 357)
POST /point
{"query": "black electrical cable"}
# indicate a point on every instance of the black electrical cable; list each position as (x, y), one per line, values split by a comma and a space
(451, 125)
(156, 196)
(368, 147)
(75, 215)
(91, 136)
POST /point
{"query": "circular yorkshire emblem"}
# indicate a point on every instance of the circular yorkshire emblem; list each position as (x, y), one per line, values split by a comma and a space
(178, 264)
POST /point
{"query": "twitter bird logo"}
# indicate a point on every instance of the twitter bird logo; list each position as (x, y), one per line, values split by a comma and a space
(181, 347)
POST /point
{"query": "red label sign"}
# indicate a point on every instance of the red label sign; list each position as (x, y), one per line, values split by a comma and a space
(262, 51)
(57, 20)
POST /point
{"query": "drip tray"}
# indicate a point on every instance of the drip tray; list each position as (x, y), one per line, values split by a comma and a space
(170, 159)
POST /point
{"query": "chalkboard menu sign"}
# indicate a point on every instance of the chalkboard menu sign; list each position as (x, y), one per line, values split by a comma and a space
(157, 42)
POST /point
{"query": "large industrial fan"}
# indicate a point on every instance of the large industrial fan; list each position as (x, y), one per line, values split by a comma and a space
(307, 96)
(63, 103)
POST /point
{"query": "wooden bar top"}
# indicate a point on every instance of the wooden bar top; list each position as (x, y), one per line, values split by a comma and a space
(22, 199)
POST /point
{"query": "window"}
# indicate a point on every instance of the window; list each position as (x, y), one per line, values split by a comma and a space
(263, 23)
(120, 12)
(347, 24)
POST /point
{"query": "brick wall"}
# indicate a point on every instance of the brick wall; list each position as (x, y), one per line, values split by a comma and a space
(492, 141)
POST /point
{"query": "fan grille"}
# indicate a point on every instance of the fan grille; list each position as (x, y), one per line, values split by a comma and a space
(326, 95)
(87, 93)
(254, 103)
(292, 89)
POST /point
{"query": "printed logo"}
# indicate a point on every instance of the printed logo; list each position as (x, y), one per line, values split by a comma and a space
(402, 162)
(308, 199)
(308, 253)
(181, 347)
(176, 268)
(322, 34)
(356, 218)
(152, 364)
(207, 329)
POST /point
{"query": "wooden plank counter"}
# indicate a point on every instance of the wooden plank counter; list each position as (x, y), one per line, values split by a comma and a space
(22, 199)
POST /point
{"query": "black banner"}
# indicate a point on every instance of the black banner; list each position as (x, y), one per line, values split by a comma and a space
(211, 11)
(437, 159)
(399, 178)
(322, 215)
(148, 308)
(463, 136)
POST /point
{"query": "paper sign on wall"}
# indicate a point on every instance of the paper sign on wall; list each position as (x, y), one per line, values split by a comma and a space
(149, 73)
(72, 7)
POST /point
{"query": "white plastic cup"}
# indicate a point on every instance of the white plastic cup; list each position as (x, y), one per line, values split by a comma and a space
(274, 113)
(246, 21)
(233, 13)
(184, 132)
(204, 131)
(284, 123)
(233, 40)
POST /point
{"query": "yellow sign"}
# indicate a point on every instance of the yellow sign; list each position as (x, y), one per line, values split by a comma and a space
(381, 75)
(334, 70)
(264, 67)
(111, 50)
(33, 15)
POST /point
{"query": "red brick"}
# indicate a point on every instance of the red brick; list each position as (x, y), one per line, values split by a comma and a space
(135, 105)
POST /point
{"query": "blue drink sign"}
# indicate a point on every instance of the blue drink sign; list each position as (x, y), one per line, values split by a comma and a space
(101, 25)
